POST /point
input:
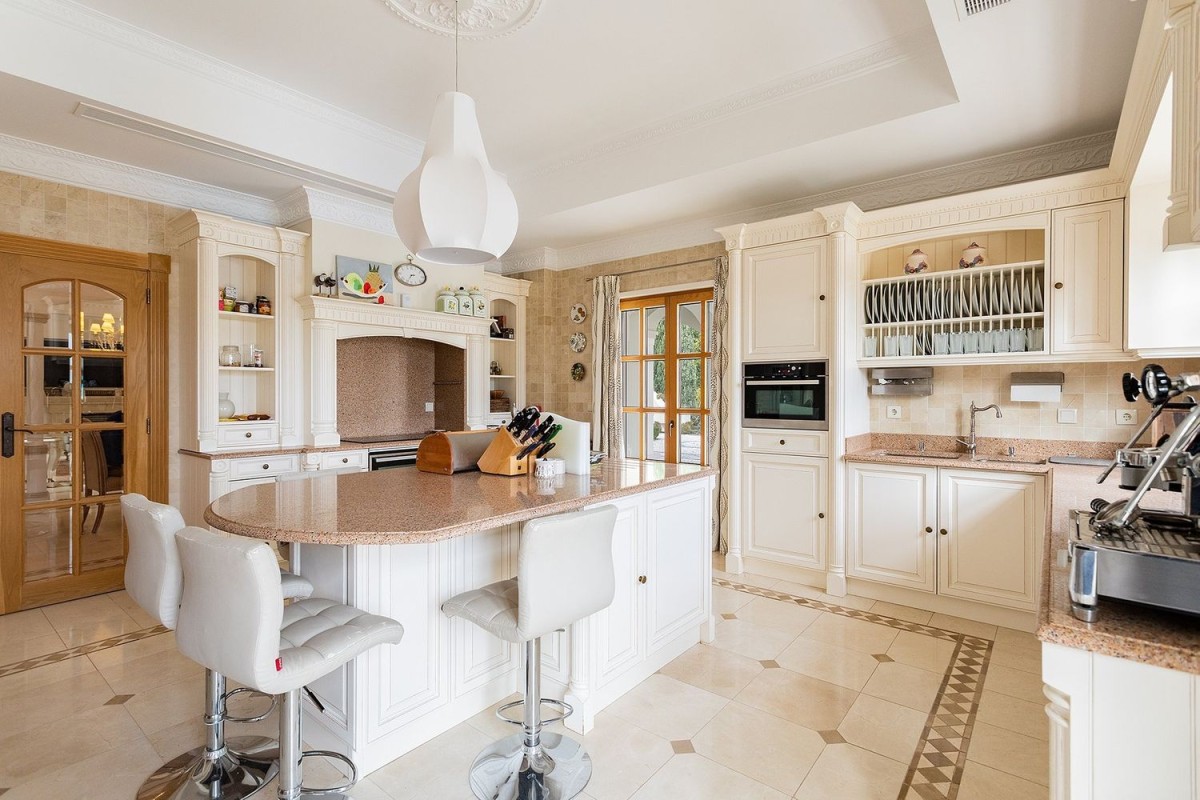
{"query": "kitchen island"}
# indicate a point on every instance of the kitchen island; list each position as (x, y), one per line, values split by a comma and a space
(401, 542)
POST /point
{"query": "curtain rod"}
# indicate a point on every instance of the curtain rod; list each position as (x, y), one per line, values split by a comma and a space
(662, 266)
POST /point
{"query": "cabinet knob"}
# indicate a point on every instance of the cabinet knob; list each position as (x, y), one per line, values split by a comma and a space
(928, 529)
(821, 515)
(345, 460)
(822, 297)
(1058, 284)
(641, 578)
(783, 441)
(944, 532)
(266, 466)
(249, 434)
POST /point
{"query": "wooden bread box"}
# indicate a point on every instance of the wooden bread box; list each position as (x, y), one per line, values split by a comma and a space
(452, 451)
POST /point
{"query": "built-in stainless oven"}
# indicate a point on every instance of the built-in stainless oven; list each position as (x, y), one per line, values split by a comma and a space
(785, 395)
(392, 458)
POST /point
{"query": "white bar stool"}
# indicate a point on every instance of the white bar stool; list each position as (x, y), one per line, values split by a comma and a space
(222, 769)
(564, 573)
(230, 621)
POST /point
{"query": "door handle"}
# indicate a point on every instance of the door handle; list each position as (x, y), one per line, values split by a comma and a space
(7, 445)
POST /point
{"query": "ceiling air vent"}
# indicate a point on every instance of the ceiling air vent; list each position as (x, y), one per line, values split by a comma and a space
(972, 7)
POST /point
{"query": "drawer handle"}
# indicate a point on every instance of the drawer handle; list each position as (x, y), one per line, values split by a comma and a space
(783, 441)
(266, 466)
(928, 529)
(345, 461)
(249, 434)
(944, 532)
(641, 578)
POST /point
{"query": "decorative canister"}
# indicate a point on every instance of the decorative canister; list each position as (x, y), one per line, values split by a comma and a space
(230, 356)
(225, 406)
(243, 307)
(466, 307)
(917, 262)
(264, 305)
(973, 256)
(478, 302)
(446, 302)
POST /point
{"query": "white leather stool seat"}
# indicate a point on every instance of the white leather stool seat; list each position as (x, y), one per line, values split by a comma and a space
(493, 608)
(319, 635)
(294, 586)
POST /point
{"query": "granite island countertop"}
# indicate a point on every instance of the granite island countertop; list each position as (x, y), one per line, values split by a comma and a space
(406, 506)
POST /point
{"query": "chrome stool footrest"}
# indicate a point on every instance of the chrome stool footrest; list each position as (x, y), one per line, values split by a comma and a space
(565, 710)
(345, 787)
(243, 690)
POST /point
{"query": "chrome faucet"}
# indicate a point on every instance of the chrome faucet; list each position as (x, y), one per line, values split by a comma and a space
(970, 442)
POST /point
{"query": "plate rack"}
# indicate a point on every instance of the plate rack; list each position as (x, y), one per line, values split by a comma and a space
(962, 312)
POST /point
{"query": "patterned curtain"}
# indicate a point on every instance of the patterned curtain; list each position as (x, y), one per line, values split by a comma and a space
(718, 429)
(606, 366)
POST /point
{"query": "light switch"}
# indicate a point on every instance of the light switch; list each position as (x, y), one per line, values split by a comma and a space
(429, 407)
(1068, 416)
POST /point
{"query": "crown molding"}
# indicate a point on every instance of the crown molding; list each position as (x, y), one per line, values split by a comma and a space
(882, 55)
(129, 37)
(529, 261)
(47, 162)
(311, 203)
(1018, 167)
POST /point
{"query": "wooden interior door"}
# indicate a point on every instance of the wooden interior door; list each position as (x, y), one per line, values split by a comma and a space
(666, 362)
(83, 384)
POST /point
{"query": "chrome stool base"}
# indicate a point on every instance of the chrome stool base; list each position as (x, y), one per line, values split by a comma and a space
(248, 764)
(559, 769)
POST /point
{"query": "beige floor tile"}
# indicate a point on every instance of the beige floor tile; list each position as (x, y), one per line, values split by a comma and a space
(151, 645)
(89, 609)
(846, 772)
(827, 662)
(848, 601)
(85, 632)
(109, 775)
(167, 705)
(781, 615)
(980, 782)
(41, 705)
(883, 727)
(486, 722)
(141, 674)
(852, 634)
(763, 747)
(24, 624)
(924, 652)
(752, 579)
(623, 757)
(438, 768)
(46, 675)
(908, 686)
(798, 589)
(959, 625)
(30, 647)
(752, 641)
(1018, 650)
(1015, 715)
(806, 701)
(695, 777)
(728, 601)
(668, 708)
(1014, 683)
(46, 749)
(1023, 756)
(130, 607)
(906, 613)
(713, 669)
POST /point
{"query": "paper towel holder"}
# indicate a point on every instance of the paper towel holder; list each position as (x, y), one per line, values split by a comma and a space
(1036, 387)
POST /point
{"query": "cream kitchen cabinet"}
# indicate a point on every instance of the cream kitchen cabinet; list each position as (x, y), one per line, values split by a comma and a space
(964, 533)
(784, 503)
(1087, 279)
(785, 301)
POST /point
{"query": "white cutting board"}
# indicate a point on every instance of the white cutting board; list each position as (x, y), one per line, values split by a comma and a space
(573, 444)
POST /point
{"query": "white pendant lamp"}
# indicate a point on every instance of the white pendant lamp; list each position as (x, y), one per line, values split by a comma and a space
(454, 208)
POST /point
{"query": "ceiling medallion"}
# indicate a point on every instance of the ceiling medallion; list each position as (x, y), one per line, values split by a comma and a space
(478, 19)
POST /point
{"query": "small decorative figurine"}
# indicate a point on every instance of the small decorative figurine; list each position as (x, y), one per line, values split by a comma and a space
(917, 262)
(973, 256)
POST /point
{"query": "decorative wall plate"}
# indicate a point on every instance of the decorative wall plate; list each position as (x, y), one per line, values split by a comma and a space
(577, 342)
(578, 371)
(578, 313)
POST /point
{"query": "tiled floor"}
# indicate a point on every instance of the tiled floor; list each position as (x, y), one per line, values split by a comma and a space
(801, 695)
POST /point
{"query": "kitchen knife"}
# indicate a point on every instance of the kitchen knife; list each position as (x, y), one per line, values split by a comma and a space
(539, 431)
(528, 449)
(551, 433)
(545, 448)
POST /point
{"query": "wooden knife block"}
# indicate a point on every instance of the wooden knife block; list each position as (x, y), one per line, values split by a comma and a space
(500, 458)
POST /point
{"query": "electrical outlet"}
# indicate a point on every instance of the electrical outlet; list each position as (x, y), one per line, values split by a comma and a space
(894, 412)
(1127, 416)
(1068, 416)
(429, 407)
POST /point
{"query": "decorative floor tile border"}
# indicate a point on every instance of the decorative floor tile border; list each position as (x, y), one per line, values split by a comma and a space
(936, 769)
(80, 650)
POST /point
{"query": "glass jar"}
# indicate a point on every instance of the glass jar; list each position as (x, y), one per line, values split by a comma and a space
(230, 356)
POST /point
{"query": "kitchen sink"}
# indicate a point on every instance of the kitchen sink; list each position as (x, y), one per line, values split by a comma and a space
(924, 454)
(1009, 460)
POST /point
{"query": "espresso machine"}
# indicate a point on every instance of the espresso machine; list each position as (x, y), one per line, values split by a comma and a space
(1120, 549)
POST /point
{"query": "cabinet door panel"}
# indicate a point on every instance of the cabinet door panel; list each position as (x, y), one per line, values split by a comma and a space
(890, 510)
(618, 627)
(994, 524)
(481, 559)
(677, 544)
(784, 497)
(1087, 255)
(783, 314)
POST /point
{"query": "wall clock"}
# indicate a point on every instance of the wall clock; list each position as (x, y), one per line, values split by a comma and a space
(577, 342)
(410, 274)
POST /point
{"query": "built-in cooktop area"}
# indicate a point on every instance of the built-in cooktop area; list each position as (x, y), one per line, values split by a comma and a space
(390, 385)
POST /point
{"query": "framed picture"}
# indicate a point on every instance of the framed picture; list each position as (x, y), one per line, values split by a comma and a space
(369, 281)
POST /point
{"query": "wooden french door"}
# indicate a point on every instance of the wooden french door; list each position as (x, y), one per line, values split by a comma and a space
(666, 363)
(83, 356)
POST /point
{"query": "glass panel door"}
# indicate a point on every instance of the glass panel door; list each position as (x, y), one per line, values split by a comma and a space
(666, 354)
